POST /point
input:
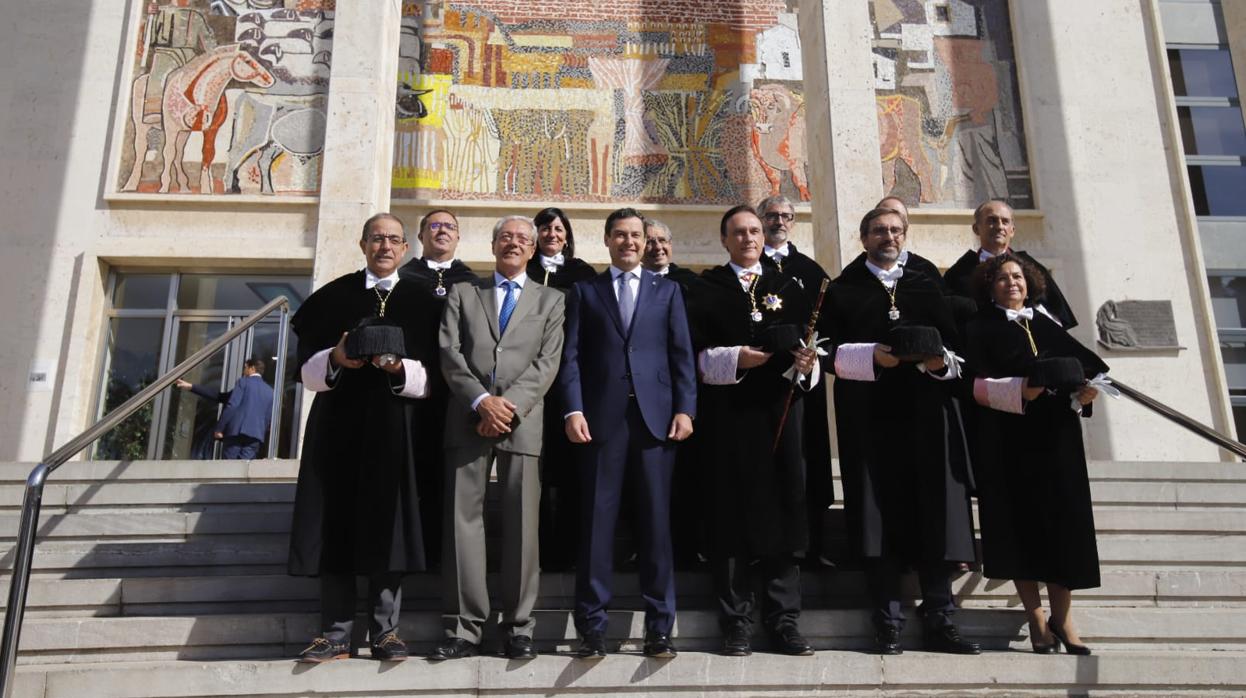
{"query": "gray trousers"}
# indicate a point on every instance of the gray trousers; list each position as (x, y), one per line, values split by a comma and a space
(465, 595)
(337, 605)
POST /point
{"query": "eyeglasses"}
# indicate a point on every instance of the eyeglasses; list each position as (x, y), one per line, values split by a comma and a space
(881, 231)
(438, 225)
(512, 237)
(776, 216)
(393, 240)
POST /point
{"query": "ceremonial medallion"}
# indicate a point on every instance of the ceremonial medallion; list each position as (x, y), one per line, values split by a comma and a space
(440, 290)
(894, 313)
(756, 315)
(772, 302)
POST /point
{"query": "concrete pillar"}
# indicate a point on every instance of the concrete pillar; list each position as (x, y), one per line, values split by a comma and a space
(359, 134)
(845, 175)
(1113, 233)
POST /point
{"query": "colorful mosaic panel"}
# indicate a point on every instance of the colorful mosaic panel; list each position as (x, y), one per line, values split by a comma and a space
(673, 101)
(228, 97)
(949, 112)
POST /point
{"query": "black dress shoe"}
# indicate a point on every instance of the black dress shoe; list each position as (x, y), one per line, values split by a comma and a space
(520, 647)
(454, 648)
(946, 638)
(659, 646)
(1061, 638)
(887, 640)
(788, 640)
(322, 649)
(737, 640)
(593, 646)
(390, 648)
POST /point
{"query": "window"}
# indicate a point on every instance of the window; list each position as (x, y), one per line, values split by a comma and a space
(1202, 72)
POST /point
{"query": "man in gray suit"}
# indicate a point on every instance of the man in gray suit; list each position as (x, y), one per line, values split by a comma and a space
(501, 341)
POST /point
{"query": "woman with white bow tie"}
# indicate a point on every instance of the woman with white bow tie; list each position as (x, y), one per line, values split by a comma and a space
(1034, 494)
(555, 263)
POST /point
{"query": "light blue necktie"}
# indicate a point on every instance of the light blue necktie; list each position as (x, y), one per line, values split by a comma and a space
(627, 303)
(508, 305)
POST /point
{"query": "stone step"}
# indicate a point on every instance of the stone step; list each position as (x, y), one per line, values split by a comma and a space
(915, 673)
(119, 526)
(287, 470)
(139, 596)
(272, 635)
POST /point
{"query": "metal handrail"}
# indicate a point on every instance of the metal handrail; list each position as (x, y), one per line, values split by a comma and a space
(1180, 419)
(24, 554)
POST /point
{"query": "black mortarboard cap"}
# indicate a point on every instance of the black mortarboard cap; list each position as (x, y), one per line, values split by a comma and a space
(915, 342)
(373, 336)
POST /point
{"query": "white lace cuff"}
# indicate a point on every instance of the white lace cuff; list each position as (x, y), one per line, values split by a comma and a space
(855, 362)
(1003, 394)
(318, 373)
(718, 365)
(416, 384)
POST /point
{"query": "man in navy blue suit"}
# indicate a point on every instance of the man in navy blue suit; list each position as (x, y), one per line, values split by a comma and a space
(244, 422)
(628, 380)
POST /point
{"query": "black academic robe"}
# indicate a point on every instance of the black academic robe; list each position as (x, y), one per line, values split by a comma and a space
(959, 279)
(917, 262)
(905, 496)
(1033, 489)
(755, 494)
(428, 416)
(681, 275)
(357, 503)
(574, 269)
(818, 483)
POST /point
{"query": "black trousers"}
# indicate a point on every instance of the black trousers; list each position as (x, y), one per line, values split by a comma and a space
(883, 576)
(337, 605)
(735, 579)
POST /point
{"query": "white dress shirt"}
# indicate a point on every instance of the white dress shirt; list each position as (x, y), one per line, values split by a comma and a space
(385, 283)
(633, 281)
(889, 277)
(435, 265)
(739, 270)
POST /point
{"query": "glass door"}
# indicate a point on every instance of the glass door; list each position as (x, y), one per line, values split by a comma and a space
(190, 415)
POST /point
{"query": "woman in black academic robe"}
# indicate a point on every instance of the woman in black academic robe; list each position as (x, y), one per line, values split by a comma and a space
(1034, 492)
(555, 265)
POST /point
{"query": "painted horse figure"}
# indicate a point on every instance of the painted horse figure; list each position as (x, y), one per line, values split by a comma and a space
(193, 100)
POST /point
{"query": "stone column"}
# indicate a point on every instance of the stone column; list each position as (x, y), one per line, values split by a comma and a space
(1235, 31)
(845, 176)
(359, 134)
(1109, 181)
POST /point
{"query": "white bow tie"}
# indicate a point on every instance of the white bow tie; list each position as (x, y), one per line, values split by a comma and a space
(1014, 315)
(555, 261)
(891, 275)
(436, 266)
(778, 254)
(386, 284)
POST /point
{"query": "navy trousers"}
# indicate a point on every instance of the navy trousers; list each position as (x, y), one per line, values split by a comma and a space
(240, 447)
(884, 575)
(630, 457)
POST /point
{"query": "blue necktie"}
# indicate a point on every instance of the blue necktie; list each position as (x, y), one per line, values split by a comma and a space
(508, 306)
(627, 303)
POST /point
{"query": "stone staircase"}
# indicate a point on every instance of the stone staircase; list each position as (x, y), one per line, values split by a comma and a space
(166, 578)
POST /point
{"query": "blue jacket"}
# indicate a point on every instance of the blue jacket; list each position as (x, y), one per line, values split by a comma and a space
(602, 361)
(249, 410)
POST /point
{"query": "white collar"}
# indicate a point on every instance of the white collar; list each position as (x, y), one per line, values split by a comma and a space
(984, 254)
(756, 268)
(438, 265)
(663, 271)
(519, 280)
(386, 283)
(615, 272)
(885, 275)
(1015, 315)
(556, 261)
(903, 258)
(781, 252)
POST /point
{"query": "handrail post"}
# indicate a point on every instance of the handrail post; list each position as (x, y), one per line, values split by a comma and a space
(279, 383)
(19, 582)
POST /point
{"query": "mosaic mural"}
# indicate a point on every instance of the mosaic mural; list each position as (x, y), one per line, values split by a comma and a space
(949, 113)
(679, 101)
(228, 97)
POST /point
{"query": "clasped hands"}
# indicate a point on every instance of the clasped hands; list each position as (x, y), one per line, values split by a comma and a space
(496, 414)
(339, 358)
(751, 357)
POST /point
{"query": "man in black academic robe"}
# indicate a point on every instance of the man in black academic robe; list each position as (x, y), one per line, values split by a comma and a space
(778, 216)
(746, 321)
(433, 273)
(906, 502)
(994, 225)
(356, 506)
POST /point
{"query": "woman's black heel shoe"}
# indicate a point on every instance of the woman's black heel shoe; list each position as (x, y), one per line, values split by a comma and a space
(1069, 647)
(1049, 648)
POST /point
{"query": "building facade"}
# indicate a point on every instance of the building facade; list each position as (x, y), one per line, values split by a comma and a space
(170, 165)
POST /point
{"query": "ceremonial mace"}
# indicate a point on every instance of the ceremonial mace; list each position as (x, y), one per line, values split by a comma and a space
(810, 332)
